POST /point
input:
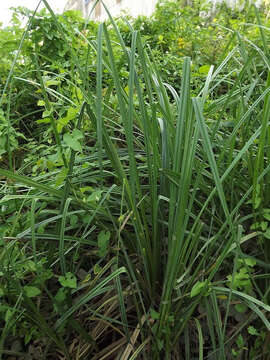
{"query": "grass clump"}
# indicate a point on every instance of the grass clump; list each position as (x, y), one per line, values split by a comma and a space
(136, 224)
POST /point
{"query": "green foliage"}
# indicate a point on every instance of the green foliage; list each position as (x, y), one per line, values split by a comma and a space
(72, 140)
(8, 136)
(68, 281)
(103, 242)
(131, 155)
(242, 278)
(31, 291)
(197, 288)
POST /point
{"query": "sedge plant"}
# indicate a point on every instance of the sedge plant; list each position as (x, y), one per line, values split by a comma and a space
(178, 174)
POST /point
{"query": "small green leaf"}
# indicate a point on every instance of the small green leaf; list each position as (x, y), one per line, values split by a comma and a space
(86, 189)
(60, 124)
(41, 103)
(73, 220)
(264, 225)
(77, 134)
(97, 269)
(60, 300)
(8, 315)
(68, 281)
(204, 69)
(255, 226)
(46, 113)
(95, 196)
(154, 314)
(266, 216)
(52, 82)
(197, 288)
(240, 341)
(61, 295)
(31, 291)
(103, 241)
(72, 142)
(44, 275)
(252, 331)
(61, 176)
(267, 234)
(43, 121)
(250, 262)
(30, 266)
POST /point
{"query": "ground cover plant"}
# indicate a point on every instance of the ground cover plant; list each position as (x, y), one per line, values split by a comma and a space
(135, 186)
